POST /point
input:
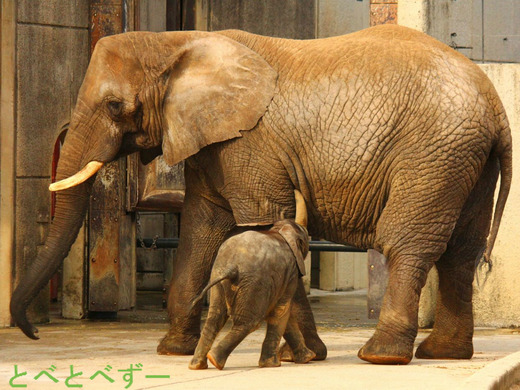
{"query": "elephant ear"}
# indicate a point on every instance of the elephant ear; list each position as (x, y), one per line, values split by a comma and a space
(216, 88)
(298, 239)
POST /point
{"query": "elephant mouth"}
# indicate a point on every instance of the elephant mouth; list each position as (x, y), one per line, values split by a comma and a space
(87, 172)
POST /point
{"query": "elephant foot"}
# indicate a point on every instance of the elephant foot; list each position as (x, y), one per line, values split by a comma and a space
(315, 345)
(435, 347)
(285, 354)
(271, 361)
(198, 364)
(303, 355)
(387, 350)
(178, 344)
(217, 359)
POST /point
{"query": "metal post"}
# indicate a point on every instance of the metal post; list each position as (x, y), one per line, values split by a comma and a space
(7, 158)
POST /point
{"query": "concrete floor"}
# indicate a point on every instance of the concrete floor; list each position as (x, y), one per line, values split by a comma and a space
(110, 346)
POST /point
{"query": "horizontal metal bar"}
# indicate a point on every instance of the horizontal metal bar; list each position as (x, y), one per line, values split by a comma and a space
(315, 246)
(327, 246)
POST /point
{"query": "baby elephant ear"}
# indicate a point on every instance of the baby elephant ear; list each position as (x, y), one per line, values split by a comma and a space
(216, 88)
(298, 239)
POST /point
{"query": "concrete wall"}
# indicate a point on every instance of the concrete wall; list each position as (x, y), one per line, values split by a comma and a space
(496, 299)
(51, 56)
(340, 271)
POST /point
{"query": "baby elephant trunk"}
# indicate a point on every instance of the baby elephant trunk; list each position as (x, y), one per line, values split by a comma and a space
(230, 273)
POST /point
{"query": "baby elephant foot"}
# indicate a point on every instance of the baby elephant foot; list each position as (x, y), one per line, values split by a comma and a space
(303, 355)
(177, 344)
(317, 347)
(387, 350)
(217, 359)
(436, 347)
(285, 354)
(198, 364)
(272, 361)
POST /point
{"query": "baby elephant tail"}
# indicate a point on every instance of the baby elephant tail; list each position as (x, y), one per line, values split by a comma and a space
(230, 273)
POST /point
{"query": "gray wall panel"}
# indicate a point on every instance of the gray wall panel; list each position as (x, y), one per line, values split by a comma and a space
(72, 13)
(502, 30)
(287, 19)
(338, 17)
(51, 64)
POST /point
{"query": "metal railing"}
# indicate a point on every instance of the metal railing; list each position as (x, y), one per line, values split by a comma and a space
(314, 246)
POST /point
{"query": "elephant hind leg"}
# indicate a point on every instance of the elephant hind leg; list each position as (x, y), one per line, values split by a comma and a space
(392, 342)
(413, 233)
(452, 333)
(217, 317)
(219, 354)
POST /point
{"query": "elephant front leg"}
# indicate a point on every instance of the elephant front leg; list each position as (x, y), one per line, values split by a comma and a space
(276, 324)
(299, 352)
(204, 226)
(302, 313)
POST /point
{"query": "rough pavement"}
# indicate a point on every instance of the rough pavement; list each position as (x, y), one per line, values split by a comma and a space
(92, 346)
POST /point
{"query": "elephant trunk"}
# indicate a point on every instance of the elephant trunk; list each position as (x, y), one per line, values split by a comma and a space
(71, 206)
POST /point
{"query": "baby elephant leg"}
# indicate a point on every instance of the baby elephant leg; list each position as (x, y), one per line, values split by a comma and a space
(218, 355)
(300, 353)
(217, 317)
(301, 311)
(276, 324)
(247, 314)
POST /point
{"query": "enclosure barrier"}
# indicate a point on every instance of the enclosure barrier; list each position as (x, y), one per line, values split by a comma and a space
(315, 246)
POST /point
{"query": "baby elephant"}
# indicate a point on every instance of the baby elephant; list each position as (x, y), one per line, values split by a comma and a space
(255, 277)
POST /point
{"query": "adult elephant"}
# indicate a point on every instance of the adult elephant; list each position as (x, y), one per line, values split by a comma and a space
(395, 140)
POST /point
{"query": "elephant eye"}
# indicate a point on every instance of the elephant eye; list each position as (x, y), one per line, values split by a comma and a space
(115, 107)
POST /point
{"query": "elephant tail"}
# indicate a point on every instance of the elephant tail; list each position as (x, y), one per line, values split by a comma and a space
(505, 157)
(230, 273)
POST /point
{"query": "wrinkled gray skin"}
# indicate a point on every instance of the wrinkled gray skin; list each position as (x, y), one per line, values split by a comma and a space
(395, 140)
(255, 276)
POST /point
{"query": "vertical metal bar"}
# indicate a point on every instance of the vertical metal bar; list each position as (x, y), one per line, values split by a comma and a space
(106, 18)
(377, 282)
(7, 157)
(173, 15)
(188, 14)
(201, 15)
(104, 239)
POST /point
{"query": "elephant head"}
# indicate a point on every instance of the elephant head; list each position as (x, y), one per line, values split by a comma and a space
(176, 91)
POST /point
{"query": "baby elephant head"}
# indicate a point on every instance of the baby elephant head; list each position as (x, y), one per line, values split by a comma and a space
(295, 232)
(298, 239)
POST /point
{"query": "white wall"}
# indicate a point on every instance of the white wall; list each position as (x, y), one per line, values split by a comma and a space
(341, 271)
(497, 300)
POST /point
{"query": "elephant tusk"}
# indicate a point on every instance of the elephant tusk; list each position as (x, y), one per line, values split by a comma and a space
(301, 209)
(90, 169)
